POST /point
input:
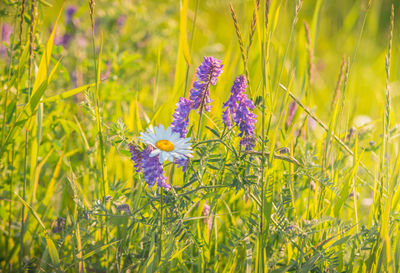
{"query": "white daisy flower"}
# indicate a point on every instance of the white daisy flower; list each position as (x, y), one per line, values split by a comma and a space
(168, 145)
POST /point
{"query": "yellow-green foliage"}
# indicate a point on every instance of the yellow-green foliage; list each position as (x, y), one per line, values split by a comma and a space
(81, 80)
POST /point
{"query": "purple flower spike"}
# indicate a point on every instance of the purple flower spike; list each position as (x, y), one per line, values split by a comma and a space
(180, 123)
(209, 70)
(153, 171)
(121, 21)
(207, 74)
(70, 13)
(136, 157)
(249, 142)
(238, 109)
(181, 117)
(182, 163)
(226, 118)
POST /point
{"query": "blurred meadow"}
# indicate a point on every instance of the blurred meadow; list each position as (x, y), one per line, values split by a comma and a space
(317, 193)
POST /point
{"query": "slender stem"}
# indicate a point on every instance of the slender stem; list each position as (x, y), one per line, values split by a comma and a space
(161, 220)
(8, 86)
(186, 79)
(10, 210)
(292, 30)
(262, 182)
(2, 132)
(22, 14)
(4, 116)
(97, 103)
(202, 108)
(30, 62)
(99, 124)
(191, 46)
(23, 207)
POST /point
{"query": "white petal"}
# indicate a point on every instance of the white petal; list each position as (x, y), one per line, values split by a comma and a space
(176, 135)
(145, 138)
(154, 153)
(183, 150)
(169, 131)
(161, 157)
(157, 131)
(170, 157)
(178, 156)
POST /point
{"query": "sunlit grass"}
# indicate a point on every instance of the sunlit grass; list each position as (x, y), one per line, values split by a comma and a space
(317, 193)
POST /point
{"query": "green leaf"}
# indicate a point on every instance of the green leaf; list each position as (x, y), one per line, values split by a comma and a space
(96, 250)
(50, 244)
(68, 93)
(183, 43)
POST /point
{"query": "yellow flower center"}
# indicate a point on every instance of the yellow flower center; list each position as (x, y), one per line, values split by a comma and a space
(165, 145)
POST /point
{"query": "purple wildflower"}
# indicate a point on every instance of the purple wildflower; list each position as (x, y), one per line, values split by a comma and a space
(136, 157)
(238, 109)
(70, 13)
(207, 74)
(209, 70)
(182, 162)
(249, 142)
(121, 21)
(181, 117)
(63, 40)
(70, 30)
(153, 171)
(179, 125)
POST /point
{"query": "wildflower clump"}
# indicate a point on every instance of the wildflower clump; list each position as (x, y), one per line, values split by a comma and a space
(207, 74)
(162, 144)
(171, 143)
(238, 109)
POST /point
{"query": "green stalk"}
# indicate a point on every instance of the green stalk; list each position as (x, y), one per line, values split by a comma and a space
(21, 253)
(27, 133)
(292, 29)
(96, 97)
(8, 84)
(161, 222)
(191, 46)
(201, 110)
(262, 182)
(1, 140)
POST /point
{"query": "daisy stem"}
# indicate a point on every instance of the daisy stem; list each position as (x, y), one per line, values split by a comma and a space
(161, 221)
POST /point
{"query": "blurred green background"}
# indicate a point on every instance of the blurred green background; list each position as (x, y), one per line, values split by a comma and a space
(143, 73)
(136, 34)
